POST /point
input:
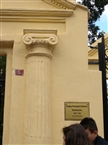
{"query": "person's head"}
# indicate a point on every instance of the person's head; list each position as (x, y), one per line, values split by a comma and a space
(75, 135)
(90, 126)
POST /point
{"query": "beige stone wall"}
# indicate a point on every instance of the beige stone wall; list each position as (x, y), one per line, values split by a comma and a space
(66, 79)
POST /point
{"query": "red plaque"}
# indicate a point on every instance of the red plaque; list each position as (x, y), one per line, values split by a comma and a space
(19, 72)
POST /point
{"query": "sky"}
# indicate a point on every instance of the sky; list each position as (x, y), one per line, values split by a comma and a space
(103, 21)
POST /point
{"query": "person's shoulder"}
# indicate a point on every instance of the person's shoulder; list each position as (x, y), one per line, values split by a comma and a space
(100, 141)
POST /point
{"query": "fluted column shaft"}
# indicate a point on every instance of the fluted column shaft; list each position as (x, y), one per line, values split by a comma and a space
(37, 115)
(37, 120)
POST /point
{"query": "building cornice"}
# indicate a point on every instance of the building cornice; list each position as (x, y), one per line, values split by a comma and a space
(61, 4)
(34, 15)
(42, 13)
(20, 13)
(91, 52)
(31, 19)
(65, 4)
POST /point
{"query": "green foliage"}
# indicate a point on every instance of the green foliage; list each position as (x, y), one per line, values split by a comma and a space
(3, 63)
(96, 8)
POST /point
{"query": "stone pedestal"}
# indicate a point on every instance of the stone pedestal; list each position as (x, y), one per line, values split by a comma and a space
(37, 113)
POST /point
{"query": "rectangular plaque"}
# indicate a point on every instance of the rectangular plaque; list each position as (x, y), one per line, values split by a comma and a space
(76, 110)
(19, 72)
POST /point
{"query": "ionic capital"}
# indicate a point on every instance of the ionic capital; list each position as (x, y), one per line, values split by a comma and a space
(40, 42)
(40, 39)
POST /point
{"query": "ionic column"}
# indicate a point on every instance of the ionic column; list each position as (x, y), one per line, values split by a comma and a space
(37, 112)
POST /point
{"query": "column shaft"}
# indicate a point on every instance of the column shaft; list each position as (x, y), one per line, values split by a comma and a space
(37, 129)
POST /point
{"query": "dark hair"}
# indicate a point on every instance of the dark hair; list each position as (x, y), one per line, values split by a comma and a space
(75, 135)
(89, 123)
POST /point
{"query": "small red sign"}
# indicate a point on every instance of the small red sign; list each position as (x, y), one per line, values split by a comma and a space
(19, 72)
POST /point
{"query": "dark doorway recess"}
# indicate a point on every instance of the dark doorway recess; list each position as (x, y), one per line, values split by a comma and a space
(2, 92)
